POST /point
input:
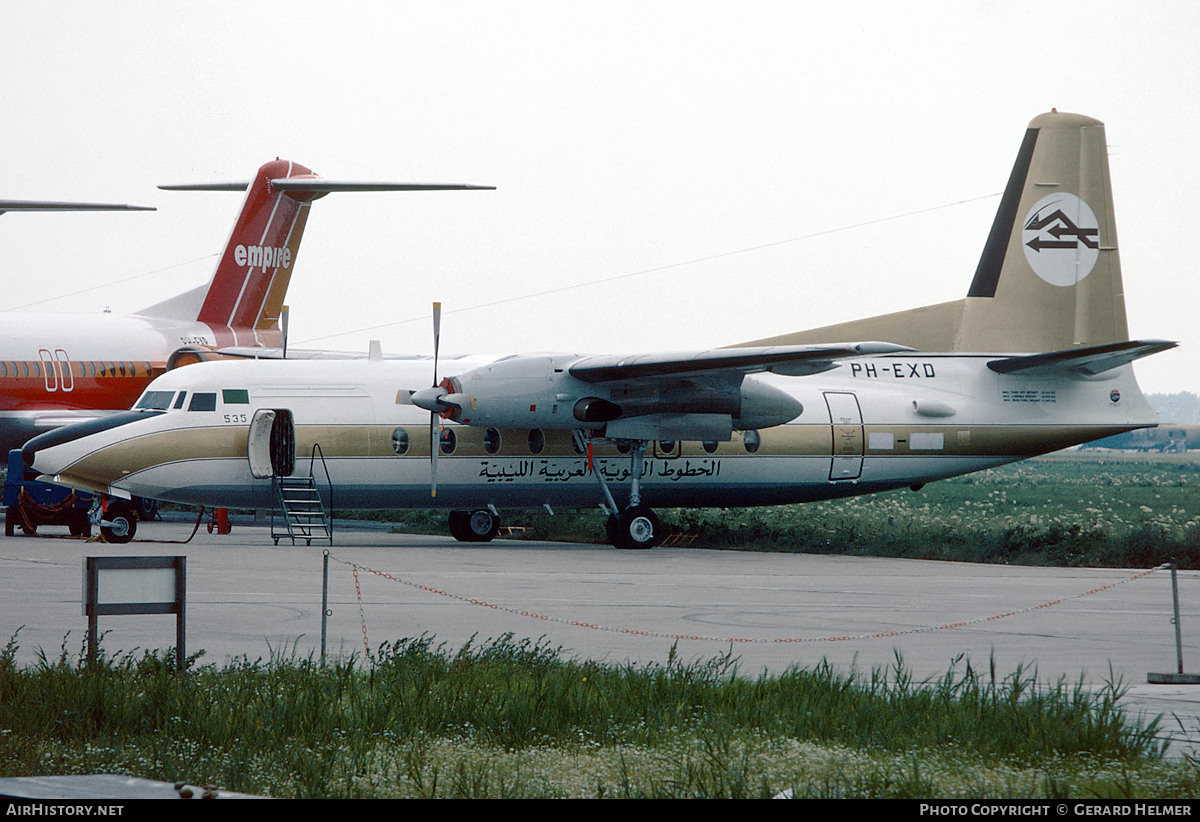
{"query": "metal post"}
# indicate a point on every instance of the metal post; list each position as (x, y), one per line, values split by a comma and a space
(1178, 631)
(180, 613)
(324, 602)
(1179, 677)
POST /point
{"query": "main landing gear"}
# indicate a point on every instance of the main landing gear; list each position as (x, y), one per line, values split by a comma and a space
(481, 525)
(636, 526)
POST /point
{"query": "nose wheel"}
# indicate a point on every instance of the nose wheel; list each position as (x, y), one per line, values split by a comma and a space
(118, 523)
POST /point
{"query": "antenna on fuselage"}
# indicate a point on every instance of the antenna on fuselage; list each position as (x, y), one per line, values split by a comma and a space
(283, 328)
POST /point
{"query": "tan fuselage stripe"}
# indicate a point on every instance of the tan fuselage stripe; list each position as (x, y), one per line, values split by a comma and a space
(350, 441)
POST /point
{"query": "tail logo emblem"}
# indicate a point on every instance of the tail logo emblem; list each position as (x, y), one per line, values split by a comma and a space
(1062, 239)
(266, 257)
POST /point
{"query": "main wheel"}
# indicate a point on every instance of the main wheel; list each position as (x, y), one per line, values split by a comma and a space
(147, 509)
(474, 526)
(122, 524)
(636, 527)
(458, 527)
(80, 525)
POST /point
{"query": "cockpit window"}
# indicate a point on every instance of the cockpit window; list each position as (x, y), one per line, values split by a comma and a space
(204, 401)
(182, 397)
(235, 396)
(156, 400)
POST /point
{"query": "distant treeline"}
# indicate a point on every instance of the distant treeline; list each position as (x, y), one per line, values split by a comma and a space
(1182, 408)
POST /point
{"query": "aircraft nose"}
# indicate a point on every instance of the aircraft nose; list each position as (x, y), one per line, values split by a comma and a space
(43, 443)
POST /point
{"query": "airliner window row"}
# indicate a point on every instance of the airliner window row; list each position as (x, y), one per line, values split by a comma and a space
(535, 437)
(33, 368)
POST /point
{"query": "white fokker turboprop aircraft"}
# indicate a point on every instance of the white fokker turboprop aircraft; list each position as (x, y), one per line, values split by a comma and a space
(807, 416)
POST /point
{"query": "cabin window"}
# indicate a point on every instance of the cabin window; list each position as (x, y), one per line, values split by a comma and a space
(3, 369)
(235, 396)
(156, 400)
(37, 370)
(537, 441)
(710, 447)
(203, 401)
(491, 441)
(400, 441)
(449, 441)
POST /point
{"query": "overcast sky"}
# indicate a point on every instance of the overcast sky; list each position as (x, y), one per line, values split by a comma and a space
(670, 175)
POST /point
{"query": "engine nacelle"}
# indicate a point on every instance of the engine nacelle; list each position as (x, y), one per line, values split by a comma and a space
(540, 392)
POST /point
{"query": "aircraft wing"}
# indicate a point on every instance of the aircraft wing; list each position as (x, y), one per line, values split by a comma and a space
(701, 395)
(790, 360)
(1089, 360)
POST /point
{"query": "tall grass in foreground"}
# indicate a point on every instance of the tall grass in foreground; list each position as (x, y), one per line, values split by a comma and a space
(514, 718)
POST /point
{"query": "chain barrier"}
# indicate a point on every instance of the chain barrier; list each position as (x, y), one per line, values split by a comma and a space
(723, 639)
(362, 615)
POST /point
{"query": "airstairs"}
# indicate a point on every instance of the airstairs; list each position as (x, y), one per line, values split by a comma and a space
(302, 512)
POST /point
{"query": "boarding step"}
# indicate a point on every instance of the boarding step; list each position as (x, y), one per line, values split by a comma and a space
(302, 511)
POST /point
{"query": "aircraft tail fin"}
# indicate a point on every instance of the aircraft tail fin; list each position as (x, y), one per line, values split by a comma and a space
(250, 282)
(249, 285)
(1049, 278)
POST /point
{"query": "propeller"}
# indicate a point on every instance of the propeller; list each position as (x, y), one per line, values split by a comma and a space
(437, 400)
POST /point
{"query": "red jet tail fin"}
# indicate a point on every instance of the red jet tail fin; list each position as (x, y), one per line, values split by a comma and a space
(247, 289)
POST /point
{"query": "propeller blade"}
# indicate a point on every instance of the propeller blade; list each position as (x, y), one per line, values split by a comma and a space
(437, 336)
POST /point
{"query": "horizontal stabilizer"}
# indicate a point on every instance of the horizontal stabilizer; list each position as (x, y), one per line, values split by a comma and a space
(1094, 359)
(790, 360)
(326, 186)
(316, 185)
(57, 205)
